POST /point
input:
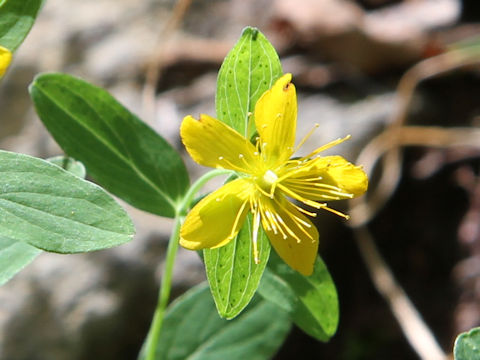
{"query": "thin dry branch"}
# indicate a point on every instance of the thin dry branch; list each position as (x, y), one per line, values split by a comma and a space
(418, 334)
(363, 210)
(155, 66)
(387, 147)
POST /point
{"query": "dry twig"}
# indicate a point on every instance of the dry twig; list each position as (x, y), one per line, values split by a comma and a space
(387, 147)
(155, 66)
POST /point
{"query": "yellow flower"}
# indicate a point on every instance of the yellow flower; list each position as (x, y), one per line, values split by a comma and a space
(5, 59)
(267, 180)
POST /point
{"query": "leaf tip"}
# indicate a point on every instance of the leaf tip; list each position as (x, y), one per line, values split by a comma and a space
(251, 31)
(34, 83)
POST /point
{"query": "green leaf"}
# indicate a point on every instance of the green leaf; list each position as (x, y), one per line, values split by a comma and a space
(311, 300)
(16, 20)
(467, 345)
(232, 273)
(192, 330)
(14, 256)
(249, 70)
(119, 151)
(51, 209)
(70, 165)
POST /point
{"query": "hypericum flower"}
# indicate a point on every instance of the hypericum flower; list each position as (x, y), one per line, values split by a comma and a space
(5, 59)
(267, 180)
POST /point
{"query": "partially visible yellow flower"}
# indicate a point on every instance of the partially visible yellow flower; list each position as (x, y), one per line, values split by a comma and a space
(5, 59)
(268, 180)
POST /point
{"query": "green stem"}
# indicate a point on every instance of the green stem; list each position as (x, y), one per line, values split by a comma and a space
(187, 200)
(166, 285)
(164, 294)
(65, 161)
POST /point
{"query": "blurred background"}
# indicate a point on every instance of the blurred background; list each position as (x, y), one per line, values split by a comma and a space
(160, 58)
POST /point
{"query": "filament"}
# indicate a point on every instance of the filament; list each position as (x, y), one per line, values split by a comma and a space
(305, 138)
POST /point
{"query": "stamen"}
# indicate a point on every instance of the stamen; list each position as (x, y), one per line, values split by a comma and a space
(309, 213)
(330, 197)
(262, 147)
(257, 145)
(306, 232)
(272, 190)
(306, 224)
(273, 221)
(237, 219)
(301, 167)
(263, 191)
(280, 222)
(290, 173)
(300, 223)
(270, 220)
(336, 212)
(299, 197)
(327, 146)
(246, 169)
(267, 224)
(340, 193)
(318, 190)
(258, 207)
(305, 138)
(256, 224)
(329, 187)
(312, 181)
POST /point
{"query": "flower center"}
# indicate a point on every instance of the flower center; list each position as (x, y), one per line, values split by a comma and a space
(267, 182)
(270, 177)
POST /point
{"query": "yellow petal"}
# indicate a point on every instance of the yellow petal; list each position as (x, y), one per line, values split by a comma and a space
(298, 245)
(5, 59)
(212, 143)
(327, 178)
(218, 217)
(276, 121)
(339, 172)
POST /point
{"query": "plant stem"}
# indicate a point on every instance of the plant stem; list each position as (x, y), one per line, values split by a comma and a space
(187, 200)
(166, 284)
(65, 161)
(165, 288)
